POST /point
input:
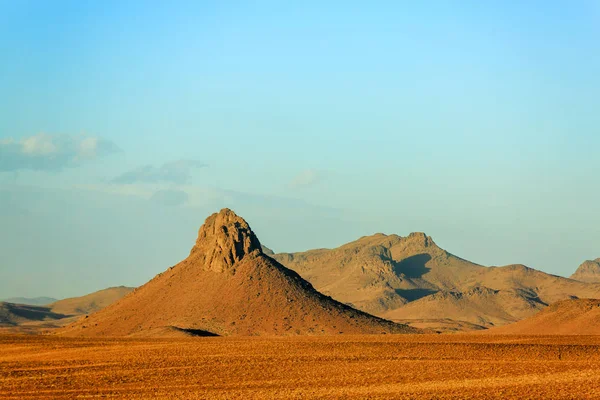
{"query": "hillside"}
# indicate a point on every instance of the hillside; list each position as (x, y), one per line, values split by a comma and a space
(91, 302)
(566, 317)
(16, 314)
(23, 318)
(228, 286)
(411, 278)
(479, 306)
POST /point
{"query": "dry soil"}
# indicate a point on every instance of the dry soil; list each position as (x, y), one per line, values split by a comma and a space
(301, 367)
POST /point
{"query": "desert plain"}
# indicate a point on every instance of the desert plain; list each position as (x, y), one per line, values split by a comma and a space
(429, 366)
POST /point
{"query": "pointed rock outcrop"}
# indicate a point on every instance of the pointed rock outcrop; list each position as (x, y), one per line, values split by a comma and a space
(223, 241)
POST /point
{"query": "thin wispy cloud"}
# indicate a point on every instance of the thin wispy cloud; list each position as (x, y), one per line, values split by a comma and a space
(177, 172)
(44, 152)
(305, 178)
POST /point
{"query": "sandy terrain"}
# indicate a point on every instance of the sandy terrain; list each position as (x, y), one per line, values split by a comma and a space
(376, 366)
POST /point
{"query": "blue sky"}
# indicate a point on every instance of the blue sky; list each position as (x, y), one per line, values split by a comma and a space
(124, 124)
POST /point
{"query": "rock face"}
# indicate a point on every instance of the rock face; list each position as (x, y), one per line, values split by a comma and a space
(566, 317)
(223, 241)
(413, 279)
(228, 286)
(589, 271)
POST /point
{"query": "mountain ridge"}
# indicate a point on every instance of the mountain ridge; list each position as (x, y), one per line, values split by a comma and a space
(398, 277)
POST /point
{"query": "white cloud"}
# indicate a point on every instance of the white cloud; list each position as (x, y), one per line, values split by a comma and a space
(39, 145)
(51, 152)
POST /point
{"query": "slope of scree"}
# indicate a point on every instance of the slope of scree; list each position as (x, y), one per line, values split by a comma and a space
(228, 286)
(411, 278)
(566, 317)
(589, 271)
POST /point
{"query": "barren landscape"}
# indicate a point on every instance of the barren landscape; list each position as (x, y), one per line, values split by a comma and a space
(301, 367)
(299, 200)
(230, 321)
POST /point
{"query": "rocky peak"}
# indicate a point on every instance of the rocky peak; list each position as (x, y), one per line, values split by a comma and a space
(223, 240)
(420, 239)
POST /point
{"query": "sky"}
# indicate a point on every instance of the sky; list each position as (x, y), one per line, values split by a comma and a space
(124, 124)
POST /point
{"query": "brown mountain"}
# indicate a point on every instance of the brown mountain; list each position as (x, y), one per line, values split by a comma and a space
(479, 305)
(228, 286)
(589, 271)
(91, 302)
(566, 317)
(412, 279)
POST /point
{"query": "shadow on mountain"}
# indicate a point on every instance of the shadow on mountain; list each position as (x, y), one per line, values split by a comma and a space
(415, 294)
(195, 332)
(9, 311)
(413, 266)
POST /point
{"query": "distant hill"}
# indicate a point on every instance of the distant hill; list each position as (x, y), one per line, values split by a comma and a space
(589, 271)
(16, 314)
(479, 305)
(228, 286)
(566, 317)
(411, 278)
(90, 303)
(35, 301)
(23, 318)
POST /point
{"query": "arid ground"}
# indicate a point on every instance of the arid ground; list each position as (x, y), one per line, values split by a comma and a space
(368, 366)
